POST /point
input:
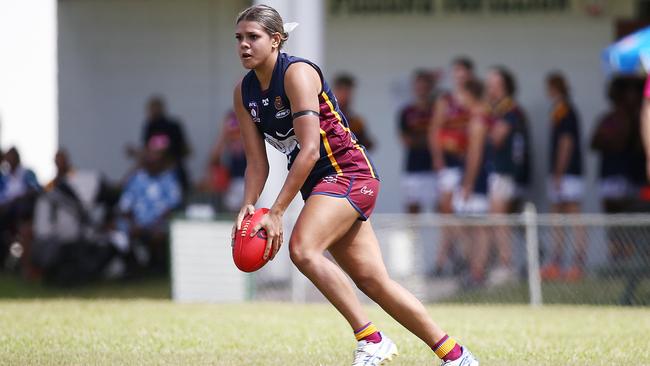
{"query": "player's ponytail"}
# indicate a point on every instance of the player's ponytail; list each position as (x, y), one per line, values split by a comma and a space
(269, 19)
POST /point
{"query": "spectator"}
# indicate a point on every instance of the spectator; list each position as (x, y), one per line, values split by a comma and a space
(225, 174)
(158, 123)
(448, 137)
(418, 181)
(70, 225)
(613, 140)
(645, 126)
(344, 86)
(18, 191)
(508, 146)
(565, 185)
(471, 196)
(448, 144)
(148, 200)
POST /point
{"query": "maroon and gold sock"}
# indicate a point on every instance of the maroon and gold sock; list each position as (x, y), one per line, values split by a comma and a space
(368, 333)
(447, 349)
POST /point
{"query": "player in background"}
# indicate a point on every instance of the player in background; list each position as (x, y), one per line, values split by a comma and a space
(286, 101)
(418, 179)
(344, 88)
(565, 184)
(645, 125)
(470, 198)
(448, 144)
(507, 141)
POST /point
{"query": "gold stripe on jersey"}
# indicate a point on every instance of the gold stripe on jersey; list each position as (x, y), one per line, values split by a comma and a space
(330, 154)
(347, 129)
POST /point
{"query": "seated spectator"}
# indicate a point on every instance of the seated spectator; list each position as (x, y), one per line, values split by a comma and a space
(159, 123)
(565, 184)
(344, 85)
(148, 200)
(18, 191)
(225, 173)
(70, 215)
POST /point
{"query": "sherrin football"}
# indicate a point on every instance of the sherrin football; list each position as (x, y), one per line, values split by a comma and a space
(248, 252)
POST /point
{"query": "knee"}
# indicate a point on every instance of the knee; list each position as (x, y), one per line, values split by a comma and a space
(301, 256)
(370, 283)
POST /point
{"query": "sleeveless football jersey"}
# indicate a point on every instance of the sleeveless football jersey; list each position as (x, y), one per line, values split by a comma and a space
(270, 110)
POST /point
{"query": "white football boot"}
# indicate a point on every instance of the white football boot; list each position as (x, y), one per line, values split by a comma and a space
(374, 354)
(466, 359)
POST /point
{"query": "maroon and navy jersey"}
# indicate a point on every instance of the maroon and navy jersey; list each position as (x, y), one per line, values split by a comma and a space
(270, 110)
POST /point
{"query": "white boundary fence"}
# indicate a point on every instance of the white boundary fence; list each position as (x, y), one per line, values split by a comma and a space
(203, 271)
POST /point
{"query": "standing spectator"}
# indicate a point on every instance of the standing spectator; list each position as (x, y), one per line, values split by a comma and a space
(344, 86)
(418, 181)
(225, 174)
(159, 123)
(448, 144)
(508, 146)
(613, 140)
(470, 198)
(148, 200)
(18, 191)
(565, 185)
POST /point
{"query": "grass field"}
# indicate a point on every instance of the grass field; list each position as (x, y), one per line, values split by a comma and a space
(159, 332)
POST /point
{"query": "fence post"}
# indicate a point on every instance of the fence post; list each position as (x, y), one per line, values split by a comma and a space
(532, 250)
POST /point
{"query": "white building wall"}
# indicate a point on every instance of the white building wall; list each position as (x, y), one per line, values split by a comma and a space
(114, 54)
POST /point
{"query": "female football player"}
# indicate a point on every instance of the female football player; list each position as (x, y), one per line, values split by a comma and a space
(286, 101)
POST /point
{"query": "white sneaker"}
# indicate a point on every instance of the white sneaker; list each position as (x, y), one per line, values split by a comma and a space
(373, 354)
(466, 359)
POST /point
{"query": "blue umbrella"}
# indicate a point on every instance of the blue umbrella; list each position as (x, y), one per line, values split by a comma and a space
(630, 55)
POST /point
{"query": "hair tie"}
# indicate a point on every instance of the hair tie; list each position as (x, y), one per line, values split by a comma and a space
(289, 27)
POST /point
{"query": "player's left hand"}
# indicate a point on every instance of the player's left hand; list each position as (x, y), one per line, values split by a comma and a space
(272, 224)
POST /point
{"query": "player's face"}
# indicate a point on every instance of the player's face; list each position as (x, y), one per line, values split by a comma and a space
(461, 74)
(494, 86)
(343, 95)
(422, 88)
(254, 45)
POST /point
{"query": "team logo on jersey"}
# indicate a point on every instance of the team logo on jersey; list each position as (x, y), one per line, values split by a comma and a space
(255, 112)
(285, 146)
(283, 113)
(332, 179)
(278, 103)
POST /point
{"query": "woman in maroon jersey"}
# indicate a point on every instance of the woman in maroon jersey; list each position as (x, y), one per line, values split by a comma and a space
(286, 101)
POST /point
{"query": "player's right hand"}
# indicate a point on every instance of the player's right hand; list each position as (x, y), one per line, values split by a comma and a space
(243, 212)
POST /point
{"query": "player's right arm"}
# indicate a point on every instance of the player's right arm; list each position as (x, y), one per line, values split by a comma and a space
(257, 163)
(437, 121)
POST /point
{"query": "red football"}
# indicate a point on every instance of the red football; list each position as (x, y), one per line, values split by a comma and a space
(248, 253)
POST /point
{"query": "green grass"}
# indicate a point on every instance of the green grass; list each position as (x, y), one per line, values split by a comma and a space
(13, 287)
(159, 332)
(595, 291)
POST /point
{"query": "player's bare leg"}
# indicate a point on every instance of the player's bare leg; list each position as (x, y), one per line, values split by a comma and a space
(359, 255)
(323, 221)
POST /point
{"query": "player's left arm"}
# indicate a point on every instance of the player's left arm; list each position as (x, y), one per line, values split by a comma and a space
(302, 85)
